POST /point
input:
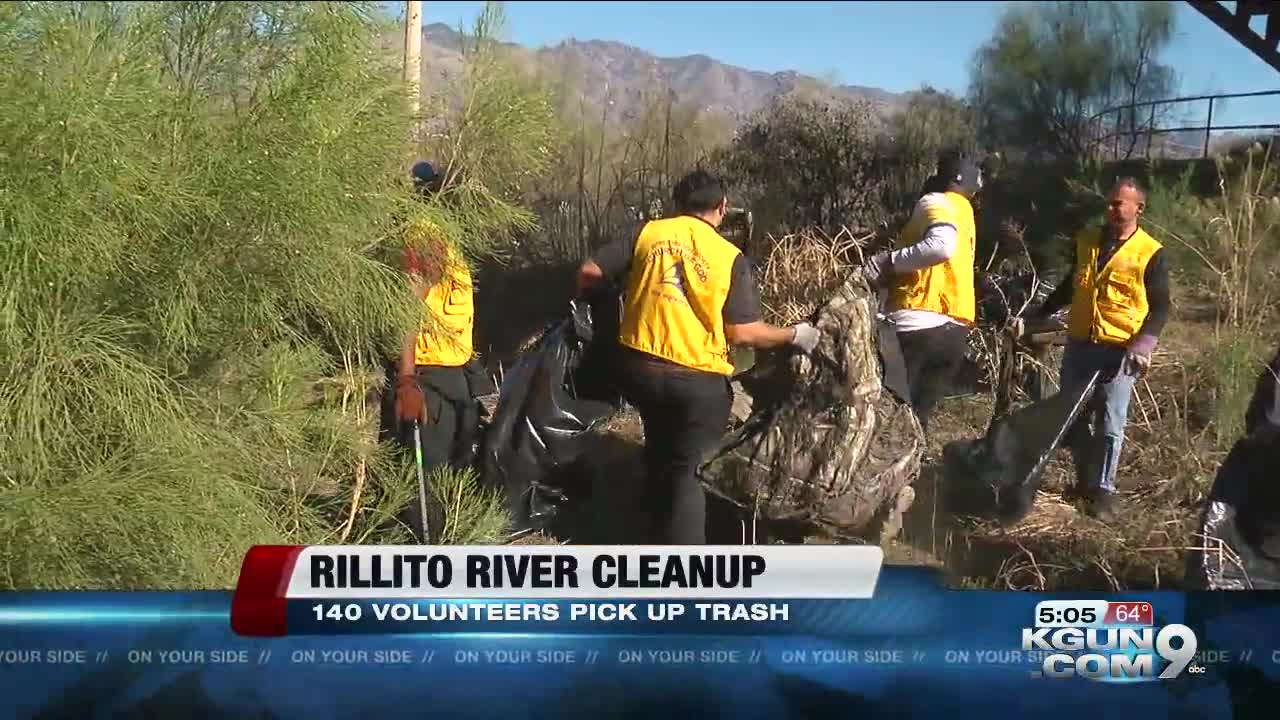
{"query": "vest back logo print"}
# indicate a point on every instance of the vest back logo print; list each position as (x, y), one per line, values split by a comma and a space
(675, 277)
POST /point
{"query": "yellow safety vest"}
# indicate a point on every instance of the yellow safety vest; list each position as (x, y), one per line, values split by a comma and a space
(945, 288)
(1109, 306)
(447, 342)
(675, 294)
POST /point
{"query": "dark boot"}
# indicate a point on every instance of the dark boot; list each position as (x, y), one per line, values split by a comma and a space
(1102, 506)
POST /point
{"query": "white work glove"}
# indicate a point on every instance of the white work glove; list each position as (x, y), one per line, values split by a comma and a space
(806, 337)
(877, 269)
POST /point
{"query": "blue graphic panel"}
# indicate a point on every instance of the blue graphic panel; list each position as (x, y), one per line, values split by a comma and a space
(915, 650)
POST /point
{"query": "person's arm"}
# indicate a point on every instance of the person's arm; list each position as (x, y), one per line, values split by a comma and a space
(1156, 281)
(936, 245)
(743, 323)
(408, 348)
(1159, 306)
(609, 264)
(424, 269)
(1262, 419)
(760, 335)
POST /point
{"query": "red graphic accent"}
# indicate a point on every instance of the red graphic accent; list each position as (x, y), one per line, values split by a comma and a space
(259, 606)
(1129, 613)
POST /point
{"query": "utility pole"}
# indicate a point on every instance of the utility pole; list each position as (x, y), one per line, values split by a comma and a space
(413, 62)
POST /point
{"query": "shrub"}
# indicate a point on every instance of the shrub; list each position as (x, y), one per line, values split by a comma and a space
(806, 164)
(931, 124)
(474, 515)
(492, 130)
(1231, 242)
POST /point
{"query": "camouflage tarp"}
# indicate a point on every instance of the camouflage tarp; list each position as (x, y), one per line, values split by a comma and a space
(825, 442)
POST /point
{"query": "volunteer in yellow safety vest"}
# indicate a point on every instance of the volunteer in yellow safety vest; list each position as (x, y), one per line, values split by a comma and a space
(432, 379)
(688, 296)
(931, 301)
(1119, 295)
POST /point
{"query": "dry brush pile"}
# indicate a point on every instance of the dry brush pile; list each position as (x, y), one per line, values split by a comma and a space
(802, 270)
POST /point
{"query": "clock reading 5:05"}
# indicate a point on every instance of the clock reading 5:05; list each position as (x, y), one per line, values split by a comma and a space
(1071, 613)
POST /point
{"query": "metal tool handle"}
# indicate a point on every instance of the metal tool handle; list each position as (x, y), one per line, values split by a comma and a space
(422, 483)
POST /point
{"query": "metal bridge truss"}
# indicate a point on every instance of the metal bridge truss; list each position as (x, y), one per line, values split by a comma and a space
(1265, 45)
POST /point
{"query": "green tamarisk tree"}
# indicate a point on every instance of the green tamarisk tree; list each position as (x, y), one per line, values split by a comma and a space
(200, 207)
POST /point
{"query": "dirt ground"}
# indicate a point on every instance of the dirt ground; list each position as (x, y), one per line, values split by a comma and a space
(1057, 547)
(1166, 466)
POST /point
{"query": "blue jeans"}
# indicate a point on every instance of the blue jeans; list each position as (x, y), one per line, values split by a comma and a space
(1097, 453)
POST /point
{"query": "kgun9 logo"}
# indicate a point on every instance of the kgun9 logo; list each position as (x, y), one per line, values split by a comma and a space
(1107, 642)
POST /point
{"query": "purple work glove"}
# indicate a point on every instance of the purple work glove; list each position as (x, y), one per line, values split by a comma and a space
(1138, 354)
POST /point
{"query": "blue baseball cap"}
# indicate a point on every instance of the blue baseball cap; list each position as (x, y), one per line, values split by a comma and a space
(423, 173)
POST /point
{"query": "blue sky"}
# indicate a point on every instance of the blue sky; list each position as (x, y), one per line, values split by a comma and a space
(895, 46)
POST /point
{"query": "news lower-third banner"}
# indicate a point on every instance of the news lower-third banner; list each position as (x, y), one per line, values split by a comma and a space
(601, 631)
(527, 589)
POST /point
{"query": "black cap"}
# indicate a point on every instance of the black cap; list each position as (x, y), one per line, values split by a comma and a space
(963, 171)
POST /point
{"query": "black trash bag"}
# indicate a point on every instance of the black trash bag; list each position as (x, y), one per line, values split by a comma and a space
(1237, 546)
(595, 375)
(1000, 472)
(1238, 543)
(893, 365)
(541, 424)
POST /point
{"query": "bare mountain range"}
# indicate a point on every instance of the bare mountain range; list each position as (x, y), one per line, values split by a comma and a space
(607, 71)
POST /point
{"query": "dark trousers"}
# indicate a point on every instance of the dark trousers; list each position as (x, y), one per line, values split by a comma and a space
(933, 357)
(448, 435)
(685, 414)
(453, 417)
